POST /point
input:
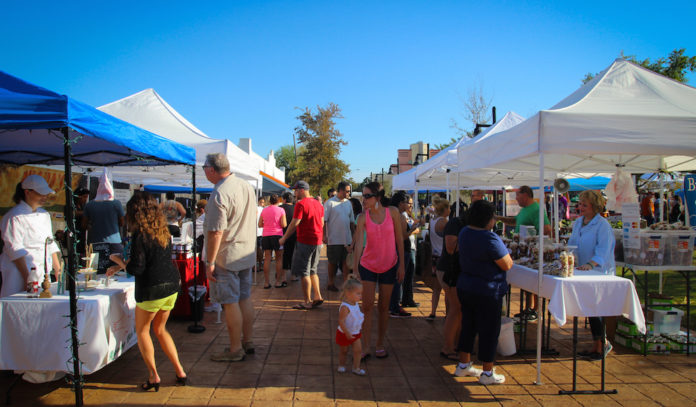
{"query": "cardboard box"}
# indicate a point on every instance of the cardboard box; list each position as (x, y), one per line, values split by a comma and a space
(626, 328)
(653, 347)
(625, 341)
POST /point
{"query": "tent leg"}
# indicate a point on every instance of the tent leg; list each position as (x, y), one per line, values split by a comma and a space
(540, 231)
(70, 236)
(195, 328)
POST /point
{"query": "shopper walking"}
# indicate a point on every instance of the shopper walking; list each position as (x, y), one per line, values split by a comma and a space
(308, 220)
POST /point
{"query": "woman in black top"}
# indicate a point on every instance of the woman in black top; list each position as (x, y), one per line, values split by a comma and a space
(289, 246)
(156, 283)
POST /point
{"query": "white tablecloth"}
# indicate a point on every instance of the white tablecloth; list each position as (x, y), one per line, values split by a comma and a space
(587, 294)
(34, 333)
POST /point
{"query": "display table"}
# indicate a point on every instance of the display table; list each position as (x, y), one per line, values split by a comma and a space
(35, 338)
(685, 271)
(182, 308)
(586, 294)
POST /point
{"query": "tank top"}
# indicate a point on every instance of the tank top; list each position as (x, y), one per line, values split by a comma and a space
(435, 239)
(354, 320)
(380, 250)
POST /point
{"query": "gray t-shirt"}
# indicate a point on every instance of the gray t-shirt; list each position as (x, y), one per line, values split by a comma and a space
(103, 219)
(232, 209)
(338, 216)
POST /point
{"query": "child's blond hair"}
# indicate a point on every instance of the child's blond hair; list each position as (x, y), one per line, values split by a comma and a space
(351, 284)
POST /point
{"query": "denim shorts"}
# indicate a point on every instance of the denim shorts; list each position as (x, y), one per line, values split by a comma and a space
(388, 277)
(231, 286)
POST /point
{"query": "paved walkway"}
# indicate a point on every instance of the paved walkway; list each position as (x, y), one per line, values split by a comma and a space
(295, 363)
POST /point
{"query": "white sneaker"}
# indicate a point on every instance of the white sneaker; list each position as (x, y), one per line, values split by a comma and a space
(492, 379)
(469, 371)
(341, 369)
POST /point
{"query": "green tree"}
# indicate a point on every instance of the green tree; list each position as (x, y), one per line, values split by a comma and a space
(447, 144)
(675, 66)
(285, 157)
(318, 162)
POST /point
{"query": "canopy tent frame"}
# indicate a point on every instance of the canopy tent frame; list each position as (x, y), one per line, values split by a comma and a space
(30, 110)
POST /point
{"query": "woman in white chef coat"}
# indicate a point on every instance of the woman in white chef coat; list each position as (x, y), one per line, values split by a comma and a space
(25, 230)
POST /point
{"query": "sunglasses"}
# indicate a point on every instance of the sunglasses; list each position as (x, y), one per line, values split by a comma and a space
(368, 196)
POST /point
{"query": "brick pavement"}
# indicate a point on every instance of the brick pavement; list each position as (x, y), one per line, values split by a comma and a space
(295, 363)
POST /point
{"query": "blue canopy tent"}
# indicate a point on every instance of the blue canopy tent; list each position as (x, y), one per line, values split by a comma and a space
(39, 126)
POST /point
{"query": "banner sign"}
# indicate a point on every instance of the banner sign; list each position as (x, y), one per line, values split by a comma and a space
(690, 199)
(630, 217)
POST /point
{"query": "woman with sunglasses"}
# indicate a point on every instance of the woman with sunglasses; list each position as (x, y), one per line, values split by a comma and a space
(381, 261)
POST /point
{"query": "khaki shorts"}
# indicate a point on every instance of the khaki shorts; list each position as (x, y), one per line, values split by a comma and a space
(231, 286)
(336, 253)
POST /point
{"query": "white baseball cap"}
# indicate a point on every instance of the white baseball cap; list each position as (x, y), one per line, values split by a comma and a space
(38, 184)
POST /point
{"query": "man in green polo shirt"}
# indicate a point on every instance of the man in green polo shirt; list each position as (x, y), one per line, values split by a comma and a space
(528, 216)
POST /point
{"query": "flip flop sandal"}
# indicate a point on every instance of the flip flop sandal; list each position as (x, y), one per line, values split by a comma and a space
(284, 284)
(317, 303)
(381, 353)
(301, 306)
(266, 287)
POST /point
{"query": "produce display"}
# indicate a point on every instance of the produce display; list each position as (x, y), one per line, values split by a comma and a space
(558, 258)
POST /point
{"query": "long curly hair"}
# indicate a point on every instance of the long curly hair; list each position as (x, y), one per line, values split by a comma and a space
(144, 215)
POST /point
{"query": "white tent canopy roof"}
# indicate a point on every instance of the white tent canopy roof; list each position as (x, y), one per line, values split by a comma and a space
(627, 116)
(149, 111)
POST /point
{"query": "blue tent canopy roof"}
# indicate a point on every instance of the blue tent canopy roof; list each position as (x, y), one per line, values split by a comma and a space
(31, 118)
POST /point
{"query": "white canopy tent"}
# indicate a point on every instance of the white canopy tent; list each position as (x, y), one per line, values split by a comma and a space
(149, 111)
(627, 116)
(432, 174)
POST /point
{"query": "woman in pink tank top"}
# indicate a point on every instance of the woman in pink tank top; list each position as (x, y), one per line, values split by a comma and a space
(381, 261)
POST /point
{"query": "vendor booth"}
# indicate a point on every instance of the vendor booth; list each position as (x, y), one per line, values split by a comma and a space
(627, 117)
(39, 126)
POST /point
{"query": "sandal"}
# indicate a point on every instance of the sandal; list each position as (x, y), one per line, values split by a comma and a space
(147, 386)
(302, 306)
(266, 287)
(181, 381)
(430, 317)
(317, 303)
(284, 284)
(381, 353)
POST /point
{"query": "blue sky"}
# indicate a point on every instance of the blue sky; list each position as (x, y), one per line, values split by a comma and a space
(397, 69)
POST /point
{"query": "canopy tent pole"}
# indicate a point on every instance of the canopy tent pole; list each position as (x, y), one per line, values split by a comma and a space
(457, 195)
(71, 236)
(448, 185)
(556, 220)
(540, 257)
(662, 195)
(195, 328)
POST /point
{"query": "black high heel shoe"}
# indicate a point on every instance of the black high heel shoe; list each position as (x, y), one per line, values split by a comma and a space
(147, 386)
(181, 381)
